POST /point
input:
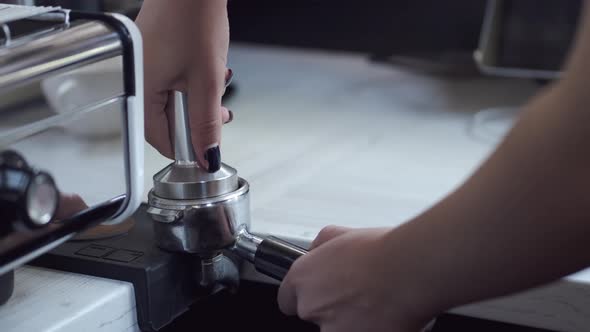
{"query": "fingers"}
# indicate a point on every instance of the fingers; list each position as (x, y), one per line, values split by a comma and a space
(287, 295)
(157, 132)
(205, 125)
(328, 233)
(227, 116)
(204, 100)
(155, 91)
(333, 327)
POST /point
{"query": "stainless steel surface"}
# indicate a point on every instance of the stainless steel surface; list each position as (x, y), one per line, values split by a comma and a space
(13, 135)
(246, 245)
(184, 179)
(219, 272)
(51, 54)
(164, 215)
(22, 39)
(184, 153)
(207, 225)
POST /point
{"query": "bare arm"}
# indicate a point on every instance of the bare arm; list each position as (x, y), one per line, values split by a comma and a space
(523, 219)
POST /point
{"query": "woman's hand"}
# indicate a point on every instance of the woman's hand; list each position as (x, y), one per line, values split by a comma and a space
(349, 282)
(185, 49)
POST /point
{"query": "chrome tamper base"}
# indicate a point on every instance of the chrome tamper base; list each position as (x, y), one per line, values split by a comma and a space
(188, 181)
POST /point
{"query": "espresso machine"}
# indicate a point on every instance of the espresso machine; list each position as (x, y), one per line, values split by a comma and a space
(36, 44)
(192, 237)
(185, 245)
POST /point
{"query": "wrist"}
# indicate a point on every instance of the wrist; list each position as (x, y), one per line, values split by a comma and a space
(410, 277)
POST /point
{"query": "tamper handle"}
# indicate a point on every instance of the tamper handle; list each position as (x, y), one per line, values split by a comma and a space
(184, 152)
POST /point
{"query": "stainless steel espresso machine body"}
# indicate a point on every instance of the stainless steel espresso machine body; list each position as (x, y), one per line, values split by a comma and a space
(38, 45)
(205, 214)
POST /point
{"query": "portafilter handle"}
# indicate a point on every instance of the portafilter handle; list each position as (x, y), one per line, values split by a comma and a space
(270, 255)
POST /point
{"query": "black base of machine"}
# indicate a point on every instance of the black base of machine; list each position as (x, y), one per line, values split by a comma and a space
(165, 283)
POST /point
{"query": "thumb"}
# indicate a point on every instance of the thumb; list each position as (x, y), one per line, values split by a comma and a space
(328, 233)
(157, 132)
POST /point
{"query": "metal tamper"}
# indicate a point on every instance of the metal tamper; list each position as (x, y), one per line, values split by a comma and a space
(207, 214)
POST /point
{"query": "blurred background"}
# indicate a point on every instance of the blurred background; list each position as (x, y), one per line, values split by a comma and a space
(527, 34)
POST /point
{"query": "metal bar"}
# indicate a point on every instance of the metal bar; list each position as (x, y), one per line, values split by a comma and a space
(10, 137)
(56, 53)
(184, 152)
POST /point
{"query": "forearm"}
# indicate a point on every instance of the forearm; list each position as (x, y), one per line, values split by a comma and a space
(523, 218)
(520, 221)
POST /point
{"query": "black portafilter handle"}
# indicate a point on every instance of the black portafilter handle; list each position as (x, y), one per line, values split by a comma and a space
(270, 255)
(274, 257)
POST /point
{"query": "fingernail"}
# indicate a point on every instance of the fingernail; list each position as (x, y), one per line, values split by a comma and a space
(231, 116)
(230, 76)
(213, 157)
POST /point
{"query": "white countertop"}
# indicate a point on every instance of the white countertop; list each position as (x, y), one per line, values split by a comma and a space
(333, 139)
(48, 300)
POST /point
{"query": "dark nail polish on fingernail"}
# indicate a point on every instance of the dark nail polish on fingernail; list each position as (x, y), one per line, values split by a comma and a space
(213, 157)
(231, 116)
